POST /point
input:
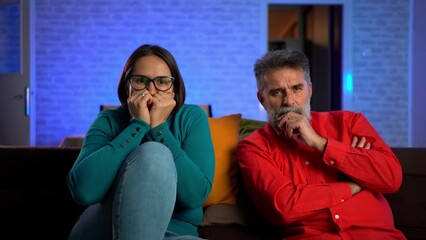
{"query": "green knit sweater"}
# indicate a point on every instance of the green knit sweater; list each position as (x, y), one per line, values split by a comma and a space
(113, 135)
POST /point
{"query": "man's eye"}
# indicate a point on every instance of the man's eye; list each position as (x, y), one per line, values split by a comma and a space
(298, 88)
(276, 93)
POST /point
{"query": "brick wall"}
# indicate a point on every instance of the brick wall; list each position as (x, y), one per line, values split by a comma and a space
(380, 66)
(9, 39)
(81, 47)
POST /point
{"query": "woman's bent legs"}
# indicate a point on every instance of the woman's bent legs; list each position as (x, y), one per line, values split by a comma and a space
(140, 203)
(146, 194)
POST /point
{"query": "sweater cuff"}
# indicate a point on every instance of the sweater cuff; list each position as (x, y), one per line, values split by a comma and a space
(162, 134)
(131, 137)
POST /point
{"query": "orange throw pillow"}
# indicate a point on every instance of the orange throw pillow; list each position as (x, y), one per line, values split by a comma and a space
(224, 132)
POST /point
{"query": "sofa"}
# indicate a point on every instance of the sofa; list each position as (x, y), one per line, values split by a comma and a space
(35, 201)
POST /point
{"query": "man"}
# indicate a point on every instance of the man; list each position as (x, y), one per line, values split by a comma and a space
(316, 175)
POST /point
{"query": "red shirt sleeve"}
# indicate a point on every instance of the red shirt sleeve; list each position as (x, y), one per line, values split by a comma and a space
(376, 169)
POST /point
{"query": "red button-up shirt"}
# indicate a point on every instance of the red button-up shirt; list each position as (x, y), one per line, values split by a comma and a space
(306, 194)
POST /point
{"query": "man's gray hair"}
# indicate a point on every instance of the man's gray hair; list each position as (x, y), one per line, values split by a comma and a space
(277, 59)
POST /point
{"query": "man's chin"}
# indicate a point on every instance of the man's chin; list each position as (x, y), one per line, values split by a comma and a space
(275, 116)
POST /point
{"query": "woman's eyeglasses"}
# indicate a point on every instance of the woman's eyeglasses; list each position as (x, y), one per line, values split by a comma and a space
(141, 82)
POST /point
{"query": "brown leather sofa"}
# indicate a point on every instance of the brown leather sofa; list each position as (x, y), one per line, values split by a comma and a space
(35, 201)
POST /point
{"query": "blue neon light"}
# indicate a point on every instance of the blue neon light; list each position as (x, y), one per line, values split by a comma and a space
(349, 83)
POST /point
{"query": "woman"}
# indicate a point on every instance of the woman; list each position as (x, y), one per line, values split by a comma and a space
(146, 167)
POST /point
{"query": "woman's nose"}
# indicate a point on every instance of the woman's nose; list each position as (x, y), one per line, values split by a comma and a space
(151, 89)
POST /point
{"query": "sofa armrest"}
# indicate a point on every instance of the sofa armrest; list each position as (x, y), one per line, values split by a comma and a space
(34, 198)
(409, 203)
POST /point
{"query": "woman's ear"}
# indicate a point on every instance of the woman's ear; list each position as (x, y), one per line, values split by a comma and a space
(129, 90)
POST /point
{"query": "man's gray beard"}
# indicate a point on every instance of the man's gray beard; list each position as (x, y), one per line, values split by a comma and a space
(274, 115)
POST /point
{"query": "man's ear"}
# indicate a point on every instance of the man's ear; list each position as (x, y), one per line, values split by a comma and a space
(260, 98)
(310, 89)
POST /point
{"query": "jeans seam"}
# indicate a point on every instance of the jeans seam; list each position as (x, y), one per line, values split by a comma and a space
(117, 224)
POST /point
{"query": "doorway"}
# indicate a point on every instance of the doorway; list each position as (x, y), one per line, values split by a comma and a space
(317, 31)
(17, 73)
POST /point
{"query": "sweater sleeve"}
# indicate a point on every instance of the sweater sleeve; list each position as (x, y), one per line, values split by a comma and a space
(101, 157)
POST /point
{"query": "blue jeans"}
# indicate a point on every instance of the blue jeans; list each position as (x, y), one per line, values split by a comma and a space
(140, 202)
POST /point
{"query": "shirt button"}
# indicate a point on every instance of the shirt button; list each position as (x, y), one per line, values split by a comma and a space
(162, 140)
(342, 200)
(133, 134)
(128, 140)
(138, 129)
(159, 133)
(336, 216)
(332, 162)
(307, 162)
(122, 145)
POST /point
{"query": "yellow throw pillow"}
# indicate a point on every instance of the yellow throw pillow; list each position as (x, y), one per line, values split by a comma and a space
(224, 132)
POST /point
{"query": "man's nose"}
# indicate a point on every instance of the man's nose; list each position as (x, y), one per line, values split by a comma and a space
(288, 100)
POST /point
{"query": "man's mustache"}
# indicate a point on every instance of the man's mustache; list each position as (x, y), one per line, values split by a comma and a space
(274, 116)
(284, 110)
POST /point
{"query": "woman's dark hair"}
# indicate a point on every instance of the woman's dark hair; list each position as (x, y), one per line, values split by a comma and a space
(166, 56)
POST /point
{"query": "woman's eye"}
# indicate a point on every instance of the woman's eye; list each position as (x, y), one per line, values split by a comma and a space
(143, 80)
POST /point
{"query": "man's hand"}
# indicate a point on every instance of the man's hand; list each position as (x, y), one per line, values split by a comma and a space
(355, 188)
(297, 127)
(361, 143)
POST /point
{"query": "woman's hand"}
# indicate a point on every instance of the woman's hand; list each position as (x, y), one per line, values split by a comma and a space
(138, 104)
(161, 107)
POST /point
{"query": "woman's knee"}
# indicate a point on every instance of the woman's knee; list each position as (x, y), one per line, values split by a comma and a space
(152, 157)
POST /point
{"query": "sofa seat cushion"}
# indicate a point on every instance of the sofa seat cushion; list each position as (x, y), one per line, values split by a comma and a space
(233, 232)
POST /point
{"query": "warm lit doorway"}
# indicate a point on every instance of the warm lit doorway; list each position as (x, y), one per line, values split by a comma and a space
(317, 31)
